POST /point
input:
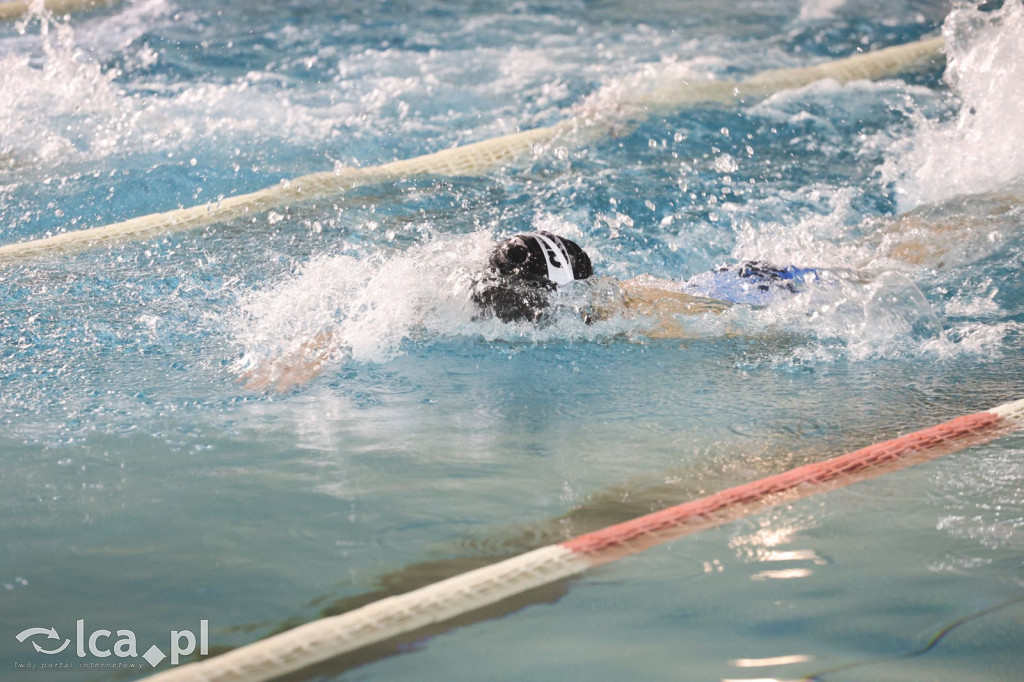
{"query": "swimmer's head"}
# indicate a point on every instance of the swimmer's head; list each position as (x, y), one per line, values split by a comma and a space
(542, 257)
(524, 270)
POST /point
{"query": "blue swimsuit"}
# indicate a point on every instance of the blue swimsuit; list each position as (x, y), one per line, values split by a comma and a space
(751, 282)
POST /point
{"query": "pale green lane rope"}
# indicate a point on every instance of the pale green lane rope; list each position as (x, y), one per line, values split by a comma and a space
(16, 10)
(470, 159)
(662, 94)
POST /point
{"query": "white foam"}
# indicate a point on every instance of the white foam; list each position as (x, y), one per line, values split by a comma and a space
(871, 317)
(47, 113)
(970, 339)
(978, 149)
(819, 9)
(363, 307)
(63, 105)
(966, 305)
(817, 238)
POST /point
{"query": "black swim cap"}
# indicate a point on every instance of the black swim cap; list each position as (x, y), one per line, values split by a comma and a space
(524, 270)
(542, 256)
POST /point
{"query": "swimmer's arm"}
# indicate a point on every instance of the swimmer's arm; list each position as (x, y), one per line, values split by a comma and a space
(647, 295)
(927, 235)
(293, 369)
(660, 299)
(917, 241)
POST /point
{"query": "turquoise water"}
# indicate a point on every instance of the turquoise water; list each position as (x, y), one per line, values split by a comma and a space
(144, 487)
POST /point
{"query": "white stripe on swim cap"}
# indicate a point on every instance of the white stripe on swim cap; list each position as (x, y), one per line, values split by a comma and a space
(554, 251)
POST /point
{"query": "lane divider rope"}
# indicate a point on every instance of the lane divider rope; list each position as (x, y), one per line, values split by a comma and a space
(18, 9)
(655, 95)
(329, 637)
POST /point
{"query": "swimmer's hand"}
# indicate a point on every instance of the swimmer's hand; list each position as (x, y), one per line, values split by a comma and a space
(292, 369)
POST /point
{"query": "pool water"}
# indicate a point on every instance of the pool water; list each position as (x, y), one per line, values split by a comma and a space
(145, 487)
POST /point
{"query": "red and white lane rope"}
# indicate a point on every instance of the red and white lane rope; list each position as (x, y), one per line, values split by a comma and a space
(329, 637)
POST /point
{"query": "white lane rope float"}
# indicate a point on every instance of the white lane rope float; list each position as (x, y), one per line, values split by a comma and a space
(329, 637)
(660, 95)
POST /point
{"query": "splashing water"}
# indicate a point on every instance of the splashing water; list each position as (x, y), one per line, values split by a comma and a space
(819, 9)
(368, 305)
(74, 102)
(975, 150)
(136, 465)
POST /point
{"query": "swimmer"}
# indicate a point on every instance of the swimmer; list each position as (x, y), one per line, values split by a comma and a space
(525, 272)
(527, 269)
(523, 276)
